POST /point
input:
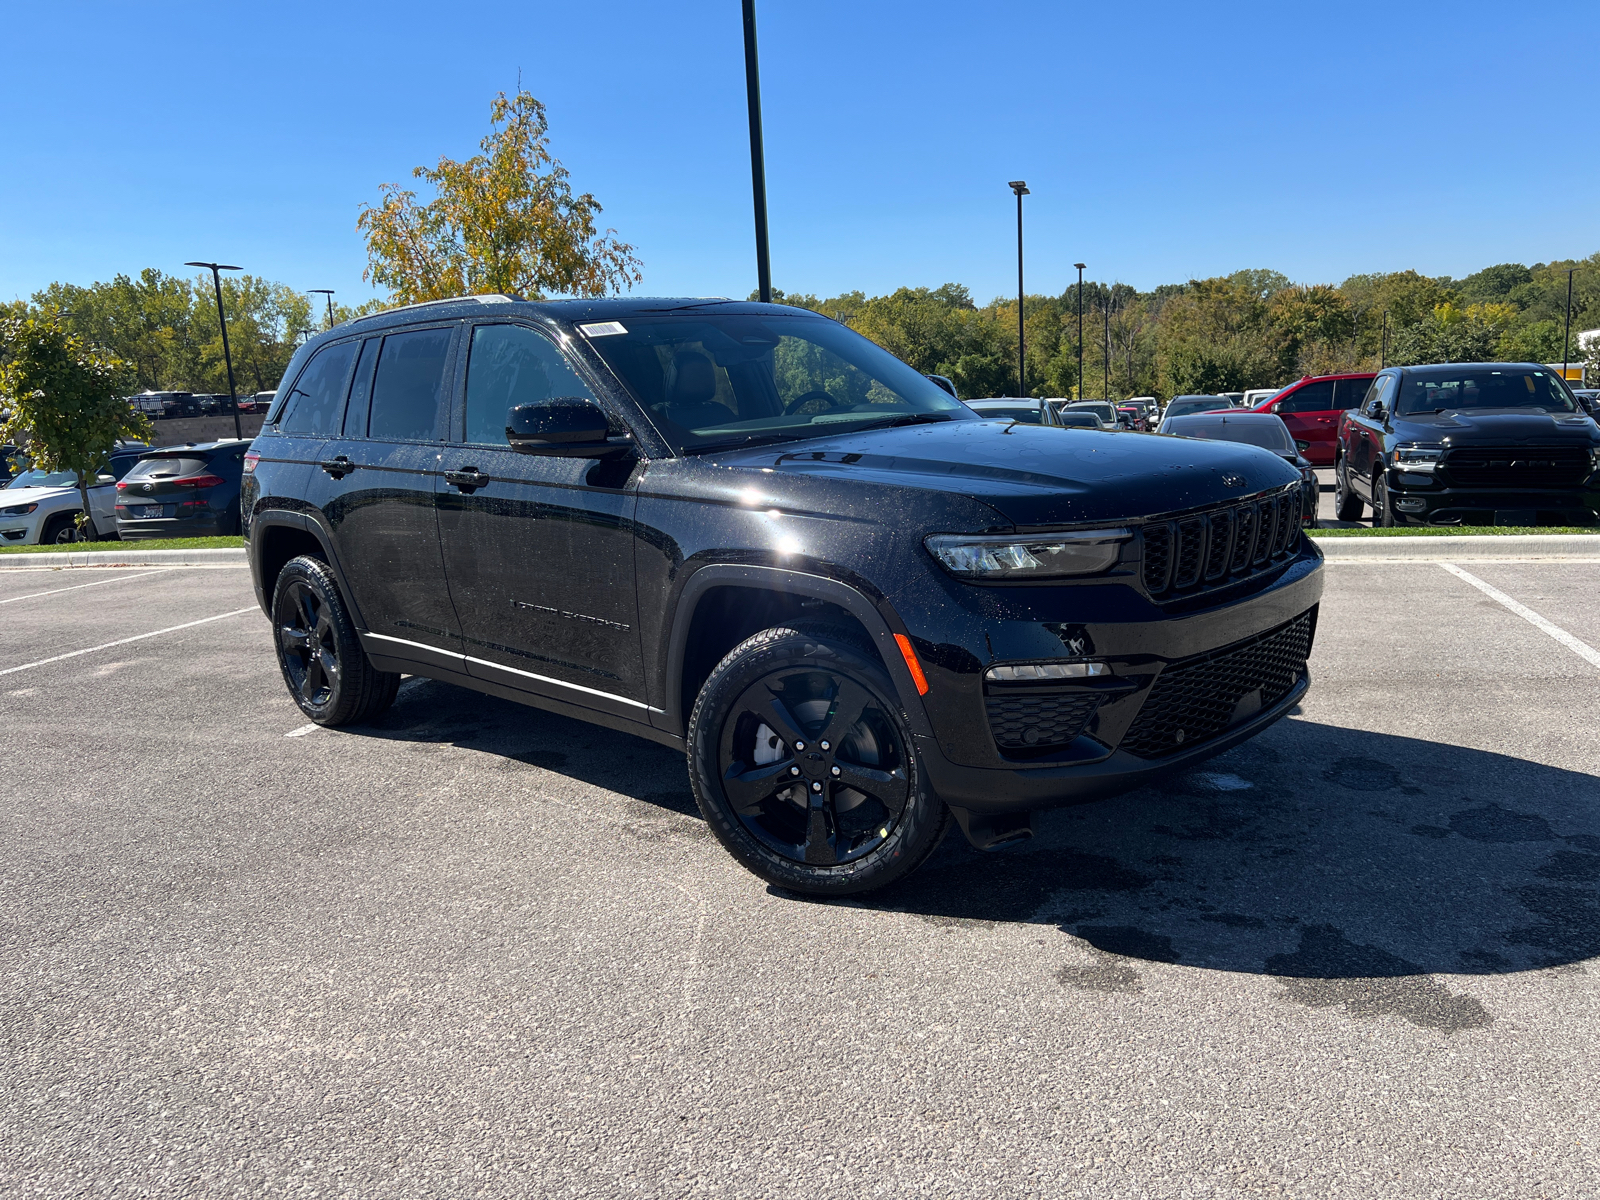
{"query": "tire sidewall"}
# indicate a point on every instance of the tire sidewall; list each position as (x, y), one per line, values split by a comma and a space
(1382, 509)
(759, 656)
(340, 703)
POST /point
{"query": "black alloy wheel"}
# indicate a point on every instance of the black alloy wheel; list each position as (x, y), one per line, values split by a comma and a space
(1382, 506)
(319, 653)
(802, 765)
(1346, 504)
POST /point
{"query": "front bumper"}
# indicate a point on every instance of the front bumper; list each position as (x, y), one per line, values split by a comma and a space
(1135, 643)
(20, 531)
(1434, 502)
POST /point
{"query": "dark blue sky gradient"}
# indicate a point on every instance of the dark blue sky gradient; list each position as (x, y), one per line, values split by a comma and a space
(1161, 140)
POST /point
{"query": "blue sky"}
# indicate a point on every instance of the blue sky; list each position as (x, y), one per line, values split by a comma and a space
(1161, 140)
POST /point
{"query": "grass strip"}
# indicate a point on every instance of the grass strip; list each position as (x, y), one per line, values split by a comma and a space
(195, 543)
(1454, 531)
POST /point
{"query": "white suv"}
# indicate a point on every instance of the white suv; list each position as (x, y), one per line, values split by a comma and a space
(42, 507)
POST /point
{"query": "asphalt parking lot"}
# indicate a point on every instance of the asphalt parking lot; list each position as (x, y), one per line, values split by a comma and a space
(477, 950)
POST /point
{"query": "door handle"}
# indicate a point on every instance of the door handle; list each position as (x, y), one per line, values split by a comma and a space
(338, 466)
(468, 480)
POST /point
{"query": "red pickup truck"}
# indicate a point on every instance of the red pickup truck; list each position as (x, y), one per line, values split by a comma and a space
(1311, 410)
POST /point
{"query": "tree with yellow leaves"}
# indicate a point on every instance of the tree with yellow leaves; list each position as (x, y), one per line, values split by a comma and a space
(505, 220)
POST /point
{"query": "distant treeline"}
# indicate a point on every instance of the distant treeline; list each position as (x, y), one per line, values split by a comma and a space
(1245, 330)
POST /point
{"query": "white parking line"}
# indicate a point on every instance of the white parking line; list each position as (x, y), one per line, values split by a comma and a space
(1581, 649)
(76, 586)
(302, 731)
(138, 637)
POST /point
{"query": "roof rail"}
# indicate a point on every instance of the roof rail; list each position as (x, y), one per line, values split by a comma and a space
(487, 298)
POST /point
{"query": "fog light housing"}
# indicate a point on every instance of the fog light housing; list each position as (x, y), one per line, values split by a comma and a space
(1029, 671)
(1411, 505)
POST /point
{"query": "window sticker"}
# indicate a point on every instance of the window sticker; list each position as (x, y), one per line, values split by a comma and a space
(602, 329)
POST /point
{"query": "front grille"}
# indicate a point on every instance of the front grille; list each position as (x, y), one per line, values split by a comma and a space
(1194, 700)
(1516, 466)
(1197, 552)
(1039, 719)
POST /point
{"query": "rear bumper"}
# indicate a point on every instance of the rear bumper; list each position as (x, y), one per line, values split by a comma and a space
(211, 525)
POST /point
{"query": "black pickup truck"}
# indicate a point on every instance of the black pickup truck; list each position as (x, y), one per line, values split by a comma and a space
(1469, 444)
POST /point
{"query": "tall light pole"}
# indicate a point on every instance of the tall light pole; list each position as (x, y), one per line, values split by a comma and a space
(1566, 337)
(758, 162)
(222, 318)
(1107, 313)
(1021, 189)
(1080, 329)
(328, 292)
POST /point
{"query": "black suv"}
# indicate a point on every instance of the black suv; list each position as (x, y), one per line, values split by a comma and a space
(1469, 444)
(745, 531)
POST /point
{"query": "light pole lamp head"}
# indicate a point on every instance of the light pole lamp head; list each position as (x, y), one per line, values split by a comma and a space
(1019, 187)
(213, 266)
(1080, 266)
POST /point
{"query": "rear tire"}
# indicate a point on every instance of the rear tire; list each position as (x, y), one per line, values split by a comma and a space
(802, 764)
(1346, 504)
(320, 655)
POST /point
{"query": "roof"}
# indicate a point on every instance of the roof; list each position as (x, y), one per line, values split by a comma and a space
(574, 310)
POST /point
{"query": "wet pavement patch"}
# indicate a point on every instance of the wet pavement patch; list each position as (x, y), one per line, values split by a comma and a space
(1491, 823)
(1570, 867)
(1102, 973)
(1362, 775)
(1329, 969)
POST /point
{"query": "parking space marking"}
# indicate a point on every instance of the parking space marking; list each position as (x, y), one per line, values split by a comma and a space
(303, 730)
(1581, 649)
(138, 637)
(76, 586)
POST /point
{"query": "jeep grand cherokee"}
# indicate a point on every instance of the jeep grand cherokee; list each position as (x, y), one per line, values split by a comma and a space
(744, 531)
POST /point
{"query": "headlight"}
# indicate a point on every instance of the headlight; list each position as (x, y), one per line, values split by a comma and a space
(1036, 556)
(1416, 456)
(18, 510)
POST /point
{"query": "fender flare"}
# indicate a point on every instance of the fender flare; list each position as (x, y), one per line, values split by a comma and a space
(287, 519)
(876, 621)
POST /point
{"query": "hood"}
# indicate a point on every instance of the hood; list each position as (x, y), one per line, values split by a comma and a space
(1034, 474)
(1465, 428)
(33, 495)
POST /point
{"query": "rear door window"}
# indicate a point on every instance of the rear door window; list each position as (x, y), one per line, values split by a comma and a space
(1314, 397)
(1349, 393)
(355, 413)
(409, 385)
(316, 405)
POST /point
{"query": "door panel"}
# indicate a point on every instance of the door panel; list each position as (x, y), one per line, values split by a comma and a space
(377, 486)
(1309, 413)
(539, 553)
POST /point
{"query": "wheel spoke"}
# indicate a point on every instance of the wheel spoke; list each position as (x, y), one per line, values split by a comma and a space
(293, 640)
(312, 683)
(747, 789)
(308, 615)
(850, 701)
(771, 709)
(820, 848)
(330, 665)
(891, 788)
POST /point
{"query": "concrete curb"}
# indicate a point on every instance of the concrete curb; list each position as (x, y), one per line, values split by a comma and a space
(56, 560)
(1547, 547)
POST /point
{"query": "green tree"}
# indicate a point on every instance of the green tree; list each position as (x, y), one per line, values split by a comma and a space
(505, 220)
(67, 400)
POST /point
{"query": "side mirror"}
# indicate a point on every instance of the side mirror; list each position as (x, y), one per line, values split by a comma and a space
(1377, 413)
(566, 425)
(1274, 408)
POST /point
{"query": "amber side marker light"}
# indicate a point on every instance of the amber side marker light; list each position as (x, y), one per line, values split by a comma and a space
(912, 665)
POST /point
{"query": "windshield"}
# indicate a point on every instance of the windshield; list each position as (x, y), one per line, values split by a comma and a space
(725, 379)
(1023, 416)
(1485, 387)
(1269, 435)
(37, 478)
(1179, 407)
(1080, 420)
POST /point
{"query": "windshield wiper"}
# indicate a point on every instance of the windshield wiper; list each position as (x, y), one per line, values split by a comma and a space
(904, 419)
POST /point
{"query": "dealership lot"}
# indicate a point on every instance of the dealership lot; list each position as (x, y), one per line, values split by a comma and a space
(475, 949)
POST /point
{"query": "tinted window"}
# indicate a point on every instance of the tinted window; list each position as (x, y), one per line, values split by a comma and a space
(1269, 435)
(1485, 387)
(157, 468)
(355, 414)
(510, 365)
(316, 404)
(1314, 397)
(1023, 416)
(409, 383)
(1349, 393)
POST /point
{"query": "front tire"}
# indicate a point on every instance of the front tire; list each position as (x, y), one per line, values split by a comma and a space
(1382, 508)
(1346, 504)
(803, 767)
(320, 655)
(60, 530)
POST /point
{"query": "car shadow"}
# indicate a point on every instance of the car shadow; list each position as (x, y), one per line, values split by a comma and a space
(1311, 853)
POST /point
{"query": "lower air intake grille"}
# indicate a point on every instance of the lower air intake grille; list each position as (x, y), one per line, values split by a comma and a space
(1193, 701)
(1039, 719)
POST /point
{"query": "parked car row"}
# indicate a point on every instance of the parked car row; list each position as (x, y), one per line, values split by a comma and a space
(140, 493)
(162, 405)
